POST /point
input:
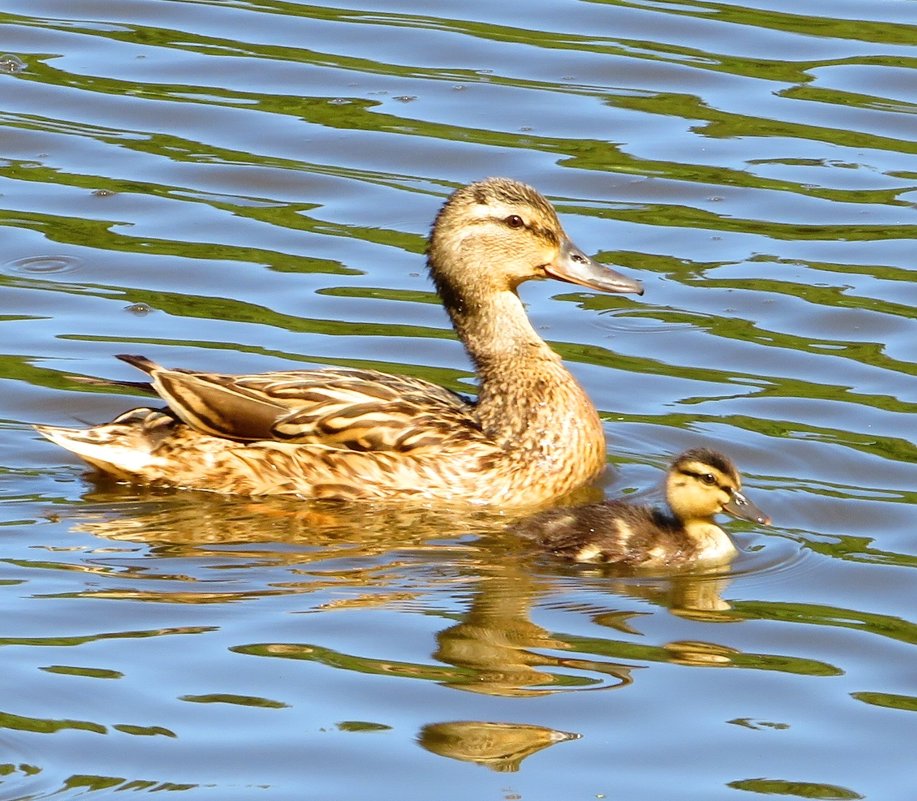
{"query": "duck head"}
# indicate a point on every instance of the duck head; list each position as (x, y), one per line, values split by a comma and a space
(702, 483)
(492, 235)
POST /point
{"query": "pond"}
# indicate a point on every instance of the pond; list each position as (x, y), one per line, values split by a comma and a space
(247, 185)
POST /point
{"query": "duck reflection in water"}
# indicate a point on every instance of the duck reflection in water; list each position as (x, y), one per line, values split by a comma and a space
(498, 746)
(348, 558)
(493, 643)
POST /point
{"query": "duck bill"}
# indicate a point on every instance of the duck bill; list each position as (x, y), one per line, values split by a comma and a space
(739, 506)
(576, 267)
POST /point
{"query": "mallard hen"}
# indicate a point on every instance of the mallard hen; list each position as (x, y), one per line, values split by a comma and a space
(532, 434)
(700, 484)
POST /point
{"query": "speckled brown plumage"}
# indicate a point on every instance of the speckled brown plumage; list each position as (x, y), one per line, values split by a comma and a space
(531, 435)
(700, 484)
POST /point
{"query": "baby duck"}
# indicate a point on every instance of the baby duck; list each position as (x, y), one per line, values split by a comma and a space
(700, 484)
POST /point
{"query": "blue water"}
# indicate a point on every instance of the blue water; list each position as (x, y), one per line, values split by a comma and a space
(246, 186)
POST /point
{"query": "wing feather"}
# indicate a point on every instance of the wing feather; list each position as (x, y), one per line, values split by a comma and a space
(361, 410)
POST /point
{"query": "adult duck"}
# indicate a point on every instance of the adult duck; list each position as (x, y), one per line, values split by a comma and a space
(532, 434)
(700, 483)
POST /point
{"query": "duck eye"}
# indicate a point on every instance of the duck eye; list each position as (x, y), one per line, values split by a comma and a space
(514, 221)
(708, 479)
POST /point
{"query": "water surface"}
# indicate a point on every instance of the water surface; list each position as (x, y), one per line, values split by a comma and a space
(246, 186)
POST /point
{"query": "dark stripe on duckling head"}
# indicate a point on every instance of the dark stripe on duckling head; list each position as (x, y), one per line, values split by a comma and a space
(707, 478)
(708, 457)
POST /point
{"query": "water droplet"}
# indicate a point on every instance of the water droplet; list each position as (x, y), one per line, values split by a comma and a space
(11, 64)
(42, 265)
(103, 192)
(340, 101)
(140, 309)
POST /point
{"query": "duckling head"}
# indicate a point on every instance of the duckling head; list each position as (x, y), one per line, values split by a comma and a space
(702, 483)
(492, 235)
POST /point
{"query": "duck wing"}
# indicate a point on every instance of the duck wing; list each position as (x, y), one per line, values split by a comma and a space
(362, 410)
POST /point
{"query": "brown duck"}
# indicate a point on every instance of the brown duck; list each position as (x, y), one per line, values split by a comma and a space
(700, 484)
(532, 434)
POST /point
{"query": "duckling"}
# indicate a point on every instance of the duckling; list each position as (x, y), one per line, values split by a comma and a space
(700, 484)
(531, 435)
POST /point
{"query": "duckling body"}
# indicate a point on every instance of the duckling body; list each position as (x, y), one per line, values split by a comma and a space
(700, 484)
(531, 435)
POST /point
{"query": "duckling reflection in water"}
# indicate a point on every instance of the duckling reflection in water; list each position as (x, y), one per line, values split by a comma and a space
(700, 483)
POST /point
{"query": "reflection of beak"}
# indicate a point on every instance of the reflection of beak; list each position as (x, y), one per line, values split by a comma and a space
(576, 267)
(739, 506)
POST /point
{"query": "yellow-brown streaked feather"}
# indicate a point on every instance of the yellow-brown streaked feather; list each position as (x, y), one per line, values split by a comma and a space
(216, 407)
(359, 410)
(401, 425)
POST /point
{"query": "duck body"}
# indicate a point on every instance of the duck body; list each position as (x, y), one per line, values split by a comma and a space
(333, 434)
(700, 484)
(531, 435)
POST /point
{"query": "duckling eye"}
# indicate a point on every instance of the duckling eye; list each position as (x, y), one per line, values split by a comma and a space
(708, 479)
(515, 221)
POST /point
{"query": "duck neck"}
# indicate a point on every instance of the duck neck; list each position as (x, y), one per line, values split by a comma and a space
(528, 401)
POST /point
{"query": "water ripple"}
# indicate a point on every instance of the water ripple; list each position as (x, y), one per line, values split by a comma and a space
(262, 175)
(42, 265)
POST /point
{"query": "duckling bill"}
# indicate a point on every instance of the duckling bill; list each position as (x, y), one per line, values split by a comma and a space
(531, 435)
(700, 484)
